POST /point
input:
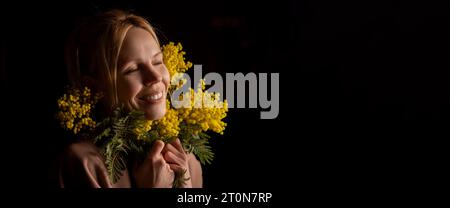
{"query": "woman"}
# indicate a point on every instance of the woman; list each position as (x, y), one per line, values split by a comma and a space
(118, 53)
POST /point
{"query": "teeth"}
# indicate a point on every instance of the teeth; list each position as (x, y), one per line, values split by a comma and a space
(154, 97)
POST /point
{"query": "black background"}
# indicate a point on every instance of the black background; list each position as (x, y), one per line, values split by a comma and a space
(363, 95)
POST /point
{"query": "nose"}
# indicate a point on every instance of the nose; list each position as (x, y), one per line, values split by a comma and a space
(151, 75)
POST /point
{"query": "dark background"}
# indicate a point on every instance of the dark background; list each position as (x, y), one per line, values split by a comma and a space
(363, 96)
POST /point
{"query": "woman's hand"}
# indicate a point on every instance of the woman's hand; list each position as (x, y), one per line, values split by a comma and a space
(177, 159)
(154, 172)
(195, 169)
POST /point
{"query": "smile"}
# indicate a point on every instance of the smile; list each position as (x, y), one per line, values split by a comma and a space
(154, 98)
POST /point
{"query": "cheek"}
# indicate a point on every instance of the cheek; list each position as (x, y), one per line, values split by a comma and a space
(166, 77)
(127, 88)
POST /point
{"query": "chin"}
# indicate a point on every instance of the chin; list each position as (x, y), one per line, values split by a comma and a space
(155, 112)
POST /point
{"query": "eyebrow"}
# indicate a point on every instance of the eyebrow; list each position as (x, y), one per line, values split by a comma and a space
(125, 65)
(160, 52)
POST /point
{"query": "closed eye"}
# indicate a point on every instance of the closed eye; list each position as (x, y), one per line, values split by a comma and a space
(157, 63)
(131, 70)
(157, 59)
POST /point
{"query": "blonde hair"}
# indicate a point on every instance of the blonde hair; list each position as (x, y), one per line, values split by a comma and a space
(93, 50)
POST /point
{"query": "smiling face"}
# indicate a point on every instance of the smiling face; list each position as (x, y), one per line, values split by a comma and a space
(142, 77)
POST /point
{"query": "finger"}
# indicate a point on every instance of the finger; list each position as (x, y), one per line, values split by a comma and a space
(177, 144)
(172, 158)
(177, 169)
(170, 174)
(157, 147)
(171, 148)
(168, 168)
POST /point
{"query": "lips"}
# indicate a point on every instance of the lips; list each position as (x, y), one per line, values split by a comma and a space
(153, 97)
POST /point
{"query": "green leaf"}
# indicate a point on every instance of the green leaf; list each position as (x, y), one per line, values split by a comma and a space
(180, 179)
(199, 145)
(102, 136)
(115, 158)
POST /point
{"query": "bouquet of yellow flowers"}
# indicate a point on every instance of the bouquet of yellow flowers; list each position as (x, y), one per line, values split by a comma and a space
(128, 134)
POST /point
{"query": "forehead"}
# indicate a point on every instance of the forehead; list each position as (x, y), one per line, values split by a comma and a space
(138, 41)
